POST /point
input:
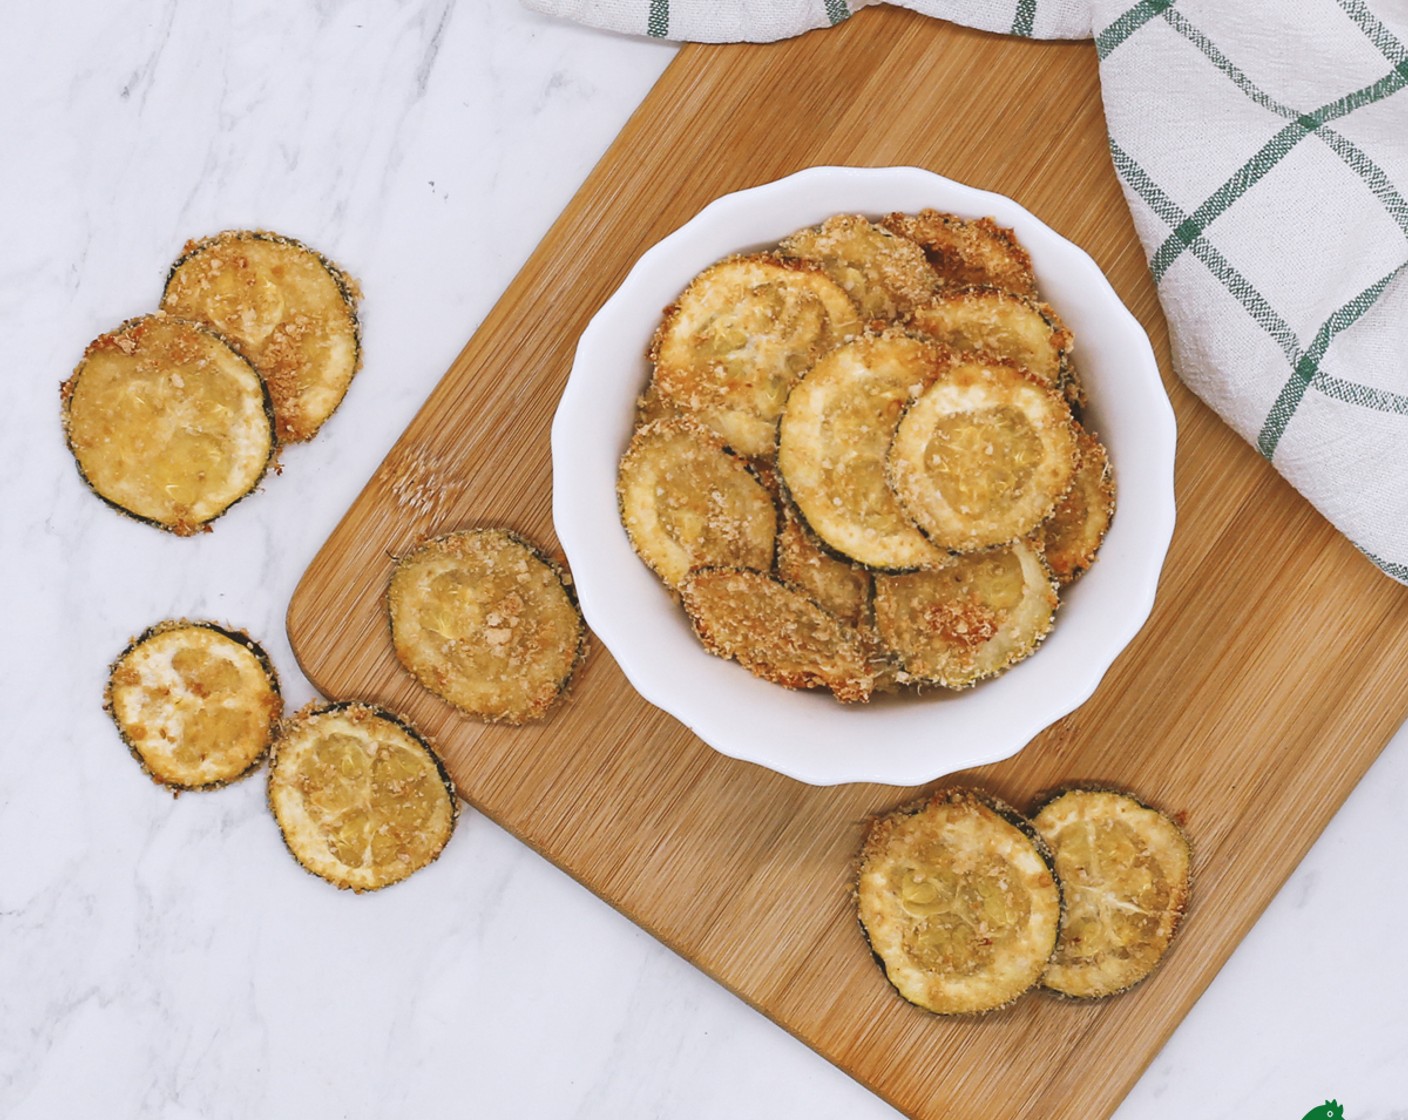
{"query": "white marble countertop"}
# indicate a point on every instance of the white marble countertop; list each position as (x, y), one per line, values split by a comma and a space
(164, 957)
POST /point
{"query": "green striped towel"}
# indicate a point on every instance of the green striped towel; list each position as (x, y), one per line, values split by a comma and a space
(1263, 149)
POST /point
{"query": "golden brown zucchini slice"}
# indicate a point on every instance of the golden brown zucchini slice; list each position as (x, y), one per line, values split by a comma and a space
(195, 703)
(743, 331)
(776, 632)
(486, 621)
(1126, 872)
(975, 617)
(687, 502)
(840, 586)
(167, 423)
(1073, 534)
(968, 250)
(887, 275)
(1017, 329)
(982, 456)
(361, 798)
(288, 309)
(957, 899)
(651, 406)
(833, 440)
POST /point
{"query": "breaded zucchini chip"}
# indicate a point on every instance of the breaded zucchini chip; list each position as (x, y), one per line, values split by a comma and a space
(775, 632)
(651, 406)
(195, 703)
(687, 502)
(840, 586)
(833, 441)
(167, 423)
(887, 275)
(486, 621)
(968, 250)
(1017, 329)
(1073, 534)
(743, 331)
(285, 307)
(360, 796)
(958, 901)
(974, 617)
(1126, 872)
(982, 456)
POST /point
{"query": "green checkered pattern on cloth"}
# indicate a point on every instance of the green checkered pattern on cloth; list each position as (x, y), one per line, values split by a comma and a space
(1263, 149)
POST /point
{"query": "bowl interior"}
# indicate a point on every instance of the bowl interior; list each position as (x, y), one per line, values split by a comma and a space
(900, 740)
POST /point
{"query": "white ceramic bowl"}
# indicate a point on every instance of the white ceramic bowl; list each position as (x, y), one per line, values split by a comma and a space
(900, 740)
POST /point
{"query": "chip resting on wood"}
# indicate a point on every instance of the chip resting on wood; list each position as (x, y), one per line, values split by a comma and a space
(1126, 872)
(487, 621)
(956, 896)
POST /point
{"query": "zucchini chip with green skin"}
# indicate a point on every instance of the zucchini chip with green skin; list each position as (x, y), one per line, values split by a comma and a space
(840, 586)
(195, 703)
(775, 632)
(887, 275)
(1073, 534)
(982, 456)
(687, 502)
(1125, 869)
(167, 424)
(974, 617)
(360, 796)
(968, 251)
(833, 440)
(285, 307)
(1017, 329)
(738, 337)
(958, 901)
(487, 622)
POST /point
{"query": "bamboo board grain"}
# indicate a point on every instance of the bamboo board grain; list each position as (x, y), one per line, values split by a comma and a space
(1268, 678)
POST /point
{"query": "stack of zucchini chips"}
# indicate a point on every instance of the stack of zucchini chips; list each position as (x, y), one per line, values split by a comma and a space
(172, 418)
(361, 798)
(966, 904)
(859, 461)
(175, 416)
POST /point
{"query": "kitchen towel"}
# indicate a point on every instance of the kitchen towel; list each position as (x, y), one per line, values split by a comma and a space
(1263, 149)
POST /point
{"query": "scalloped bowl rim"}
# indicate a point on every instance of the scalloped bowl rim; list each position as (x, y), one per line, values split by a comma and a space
(807, 736)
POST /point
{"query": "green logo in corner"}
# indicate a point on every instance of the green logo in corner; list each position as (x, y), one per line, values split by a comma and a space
(1330, 1110)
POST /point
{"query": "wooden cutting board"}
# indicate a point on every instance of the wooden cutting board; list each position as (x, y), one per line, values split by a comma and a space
(1268, 678)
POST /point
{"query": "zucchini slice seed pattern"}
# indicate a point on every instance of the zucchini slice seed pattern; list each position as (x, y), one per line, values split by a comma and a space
(956, 896)
(1126, 872)
(361, 798)
(974, 617)
(285, 307)
(167, 423)
(687, 502)
(982, 456)
(195, 703)
(488, 622)
(740, 335)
